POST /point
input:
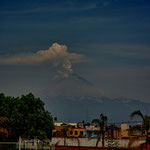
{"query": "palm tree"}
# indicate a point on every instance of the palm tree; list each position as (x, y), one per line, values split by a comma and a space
(145, 120)
(101, 122)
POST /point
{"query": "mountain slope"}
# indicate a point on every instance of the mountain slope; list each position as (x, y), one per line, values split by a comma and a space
(76, 99)
(73, 86)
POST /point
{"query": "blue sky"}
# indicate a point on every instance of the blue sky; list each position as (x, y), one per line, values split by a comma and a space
(113, 35)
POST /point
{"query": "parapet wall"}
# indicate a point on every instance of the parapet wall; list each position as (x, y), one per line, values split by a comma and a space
(86, 142)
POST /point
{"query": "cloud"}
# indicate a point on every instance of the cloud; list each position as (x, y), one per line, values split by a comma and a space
(57, 7)
(56, 56)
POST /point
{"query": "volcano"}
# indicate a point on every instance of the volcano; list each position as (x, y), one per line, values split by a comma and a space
(76, 99)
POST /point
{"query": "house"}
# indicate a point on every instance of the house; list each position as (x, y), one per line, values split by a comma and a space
(76, 132)
(125, 131)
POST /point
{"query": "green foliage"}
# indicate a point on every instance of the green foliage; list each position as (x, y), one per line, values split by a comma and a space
(146, 123)
(27, 116)
(3, 137)
(4, 122)
(101, 122)
(146, 119)
(136, 113)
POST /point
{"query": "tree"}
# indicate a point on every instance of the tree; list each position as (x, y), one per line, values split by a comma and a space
(27, 115)
(101, 122)
(4, 121)
(3, 131)
(145, 120)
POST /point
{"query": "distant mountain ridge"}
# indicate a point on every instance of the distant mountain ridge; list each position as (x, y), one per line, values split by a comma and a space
(76, 99)
(88, 108)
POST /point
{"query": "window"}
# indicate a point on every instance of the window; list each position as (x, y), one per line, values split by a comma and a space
(71, 132)
(81, 132)
(76, 132)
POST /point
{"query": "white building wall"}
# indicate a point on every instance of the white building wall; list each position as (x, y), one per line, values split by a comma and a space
(92, 142)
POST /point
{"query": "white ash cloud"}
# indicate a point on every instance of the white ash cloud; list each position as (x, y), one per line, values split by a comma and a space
(56, 56)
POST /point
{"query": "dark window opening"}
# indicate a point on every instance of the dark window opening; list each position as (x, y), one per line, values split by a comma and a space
(71, 132)
(81, 132)
(76, 132)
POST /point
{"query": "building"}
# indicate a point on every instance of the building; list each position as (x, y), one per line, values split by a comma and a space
(76, 132)
(125, 131)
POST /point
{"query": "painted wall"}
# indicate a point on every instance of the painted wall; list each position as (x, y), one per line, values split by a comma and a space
(76, 132)
(92, 142)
